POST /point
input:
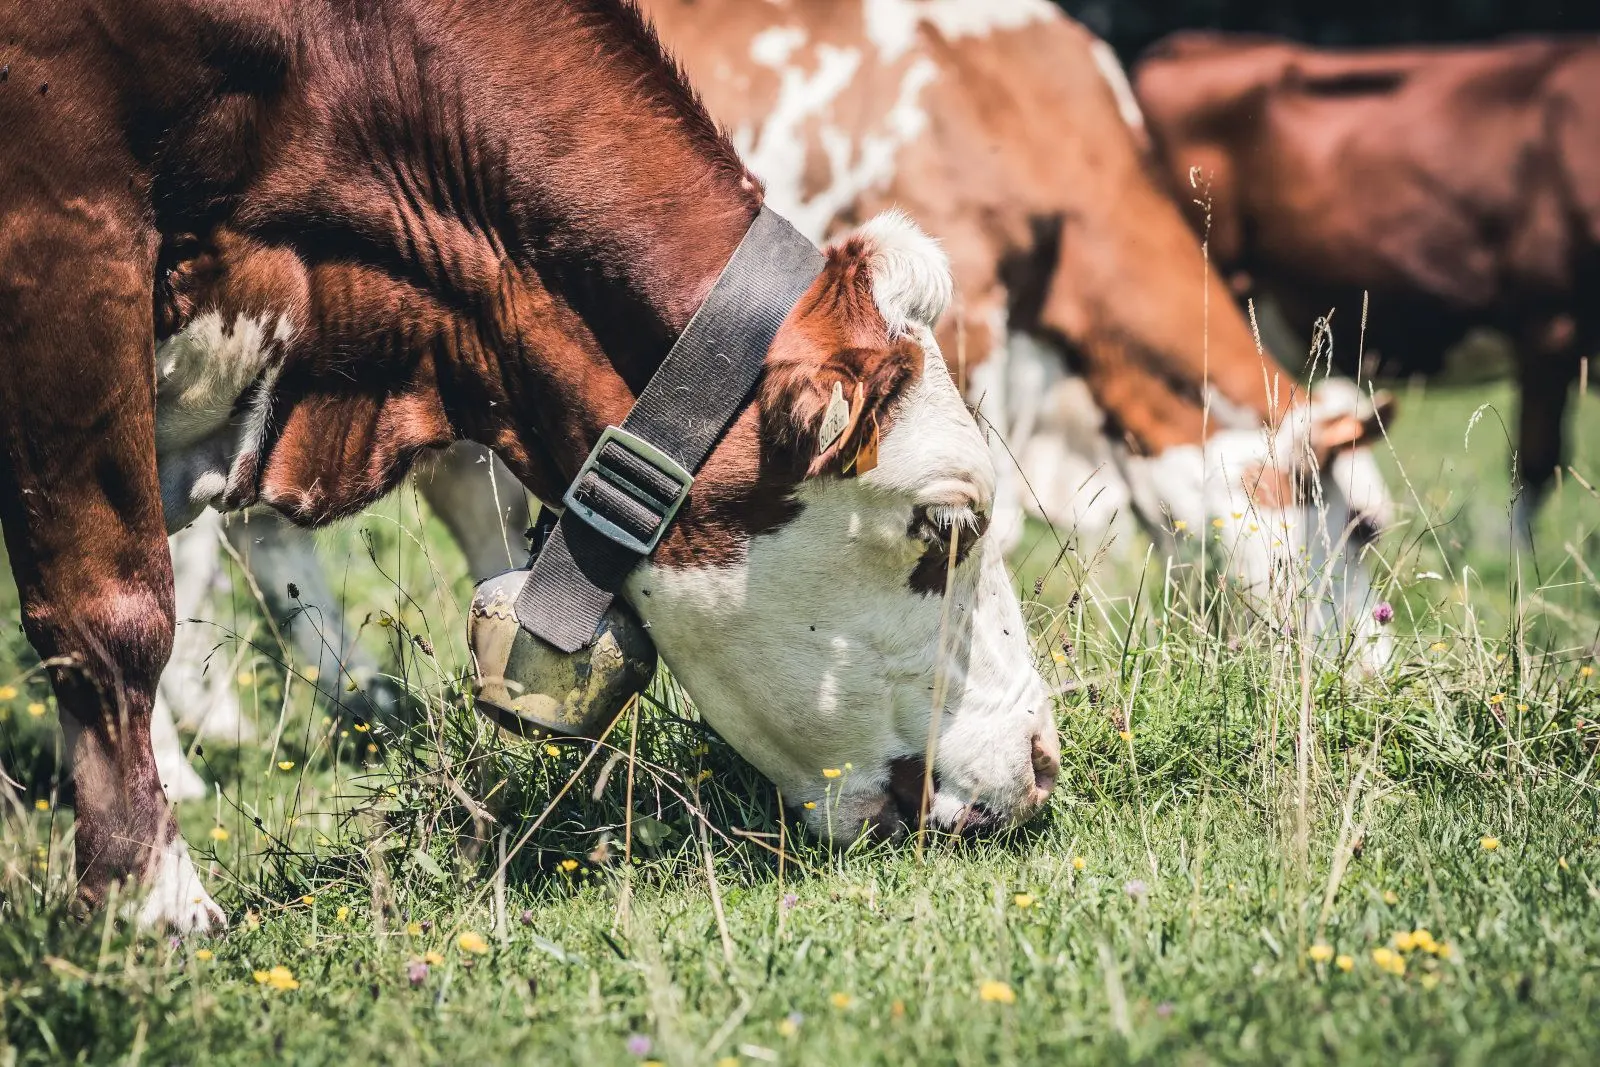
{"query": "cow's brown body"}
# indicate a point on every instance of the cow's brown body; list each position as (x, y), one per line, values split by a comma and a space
(1008, 144)
(478, 219)
(1459, 187)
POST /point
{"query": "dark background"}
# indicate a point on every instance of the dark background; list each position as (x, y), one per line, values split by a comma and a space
(1131, 25)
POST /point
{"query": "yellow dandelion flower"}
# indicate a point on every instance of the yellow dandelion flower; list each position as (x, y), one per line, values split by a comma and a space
(1390, 961)
(218, 834)
(1126, 735)
(41, 804)
(311, 674)
(1023, 900)
(203, 954)
(840, 1000)
(552, 750)
(246, 677)
(704, 775)
(472, 942)
(728, 1061)
(787, 1027)
(1218, 523)
(1180, 525)
(1489, 843)
(996, 993)
(36, 709)
(372, 747)
(1498, 698)
(1320, 953)
(1405, 941)
(569, 865)
(260, 977)
(1079, 863)
(414, 929)
(1438, 646)
(342, 914)
(432, 959)
(1424, 940)
(281, 979)
(810, 805)
(1522, 707)
(1586, 671)
(1060, 657)
(286, 765)
(309, 899)
(8, 692)
(831, 772)
(1390, 897)
(361, 727)
(1344, 963)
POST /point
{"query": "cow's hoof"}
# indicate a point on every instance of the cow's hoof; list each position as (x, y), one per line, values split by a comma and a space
(174, 898)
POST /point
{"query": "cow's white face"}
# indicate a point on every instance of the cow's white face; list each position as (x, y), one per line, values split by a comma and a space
(823, 655)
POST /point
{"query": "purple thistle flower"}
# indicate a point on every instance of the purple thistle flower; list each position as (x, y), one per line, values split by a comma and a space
(1383, 613)
(789, 901)
(639, 1045)
(416, 973)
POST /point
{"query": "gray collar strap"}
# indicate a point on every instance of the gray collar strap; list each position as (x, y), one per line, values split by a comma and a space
(639, 473)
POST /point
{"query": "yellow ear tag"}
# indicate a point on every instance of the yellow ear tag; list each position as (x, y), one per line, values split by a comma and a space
(867, 458)
(834, 420)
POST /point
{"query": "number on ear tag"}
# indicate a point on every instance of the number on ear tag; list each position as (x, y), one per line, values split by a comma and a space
(834, 420)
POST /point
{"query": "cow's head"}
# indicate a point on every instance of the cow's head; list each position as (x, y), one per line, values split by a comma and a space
(1289, 512)
(805, 597)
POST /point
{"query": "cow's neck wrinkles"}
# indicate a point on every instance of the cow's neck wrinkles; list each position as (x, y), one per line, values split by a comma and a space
(506, 248)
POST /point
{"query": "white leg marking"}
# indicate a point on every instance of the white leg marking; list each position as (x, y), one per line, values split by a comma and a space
(175, 899)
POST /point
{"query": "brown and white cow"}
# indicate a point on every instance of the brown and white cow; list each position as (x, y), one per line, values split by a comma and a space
(362, 231)
(1459, 186)
(1012, 132)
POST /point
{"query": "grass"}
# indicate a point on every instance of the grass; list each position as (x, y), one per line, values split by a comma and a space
(1226, 808)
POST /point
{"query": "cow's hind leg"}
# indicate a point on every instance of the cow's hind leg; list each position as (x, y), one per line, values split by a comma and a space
(81, 508)
(482, 504)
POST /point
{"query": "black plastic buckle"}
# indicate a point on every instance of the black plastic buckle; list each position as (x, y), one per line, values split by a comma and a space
(656, 482)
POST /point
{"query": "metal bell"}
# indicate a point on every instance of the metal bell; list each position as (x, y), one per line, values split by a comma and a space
(533, 688)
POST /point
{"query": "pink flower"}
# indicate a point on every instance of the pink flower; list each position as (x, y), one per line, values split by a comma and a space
(639, 1045)
(1383, 613)
(416, 972)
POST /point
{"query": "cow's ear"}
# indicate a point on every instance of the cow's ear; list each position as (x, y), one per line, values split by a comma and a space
(841, 413)
(1353, 430)
(837, 365)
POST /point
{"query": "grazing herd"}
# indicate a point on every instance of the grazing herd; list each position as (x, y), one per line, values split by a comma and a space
(363, 234)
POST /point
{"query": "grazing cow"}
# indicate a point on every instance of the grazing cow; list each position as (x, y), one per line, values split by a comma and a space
(1012, 132)
(1086, 327)
(1459, 186)
(363, 231)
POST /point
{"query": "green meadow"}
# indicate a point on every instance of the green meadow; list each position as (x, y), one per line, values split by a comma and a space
(1252, 856)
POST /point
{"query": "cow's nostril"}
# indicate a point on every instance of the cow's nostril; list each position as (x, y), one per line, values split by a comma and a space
(1364, 529)
(1046, 765)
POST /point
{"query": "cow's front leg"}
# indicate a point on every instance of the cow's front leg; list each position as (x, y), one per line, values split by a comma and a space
(81, 507)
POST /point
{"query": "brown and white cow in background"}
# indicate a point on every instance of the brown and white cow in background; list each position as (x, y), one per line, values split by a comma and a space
(1085, 328)
(364, 231)
(1458, 186)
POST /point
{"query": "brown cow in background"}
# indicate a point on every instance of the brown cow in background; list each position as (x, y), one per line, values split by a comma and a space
(1460, 187)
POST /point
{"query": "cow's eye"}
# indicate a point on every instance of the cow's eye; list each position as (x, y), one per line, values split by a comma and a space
(935, 527)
